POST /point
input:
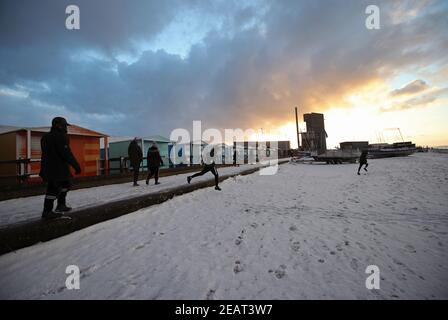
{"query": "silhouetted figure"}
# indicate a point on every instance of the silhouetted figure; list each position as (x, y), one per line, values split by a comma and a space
(363, 161)
(235, 159)
(208, 166)
(135, 157)
(55, 168)
(154, 162)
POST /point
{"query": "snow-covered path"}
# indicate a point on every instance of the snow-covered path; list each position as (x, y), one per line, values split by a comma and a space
(309, 231)
(23, 209)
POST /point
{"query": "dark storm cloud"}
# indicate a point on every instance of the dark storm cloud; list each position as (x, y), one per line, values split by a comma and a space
(419, 101)
(106, 24)
(258, 61)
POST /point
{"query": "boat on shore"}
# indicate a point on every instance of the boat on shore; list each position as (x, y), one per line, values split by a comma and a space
(386, 150)
(440, 150)
(337, 156)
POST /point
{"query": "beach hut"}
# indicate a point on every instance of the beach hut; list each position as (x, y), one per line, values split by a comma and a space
(118, 148)
(21, 151)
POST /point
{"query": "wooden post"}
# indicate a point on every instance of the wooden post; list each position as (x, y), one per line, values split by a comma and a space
(106, 155)
(297, 130)
(28, 152)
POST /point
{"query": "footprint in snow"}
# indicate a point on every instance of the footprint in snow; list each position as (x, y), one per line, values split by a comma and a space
(361, 246)
(295, 246)
(410, 248)
(238, 241)
(280, 272)
(240, 238)
(238, 267)
(210, 295)
(397, 262)
(354, 264)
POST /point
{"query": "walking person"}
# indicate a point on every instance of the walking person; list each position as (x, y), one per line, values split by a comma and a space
(57, 158)
(135, 157)
(235, 155)
(208, 166)
(154, 162)
(363, 161)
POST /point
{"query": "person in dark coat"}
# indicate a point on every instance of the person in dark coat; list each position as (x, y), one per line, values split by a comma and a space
(135, 157)
(208, 166)
(154, 162)
(57, 158)
(363, 161)
(235, 155)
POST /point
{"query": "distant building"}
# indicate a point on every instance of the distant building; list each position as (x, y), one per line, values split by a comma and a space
(225, 152)
(184, 154)
(281, 147)
(354, 145)
(314, 139)
(252, 150)
(23, 143)
(246, 151)
(284, 148)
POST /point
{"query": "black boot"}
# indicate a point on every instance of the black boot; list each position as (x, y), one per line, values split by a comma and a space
(48, 212)
(62, 206)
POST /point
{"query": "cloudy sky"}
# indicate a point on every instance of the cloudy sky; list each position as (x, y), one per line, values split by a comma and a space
(139, 68)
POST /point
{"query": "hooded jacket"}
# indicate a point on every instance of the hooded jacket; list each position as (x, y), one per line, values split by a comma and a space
(135, 154)
(154, 158)
(57, 156)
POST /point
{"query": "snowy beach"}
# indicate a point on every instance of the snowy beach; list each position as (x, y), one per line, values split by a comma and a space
(29, 208)
(308, 232)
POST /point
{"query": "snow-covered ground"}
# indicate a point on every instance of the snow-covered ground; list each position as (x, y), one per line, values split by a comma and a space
(309, 231)
(23, 209)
